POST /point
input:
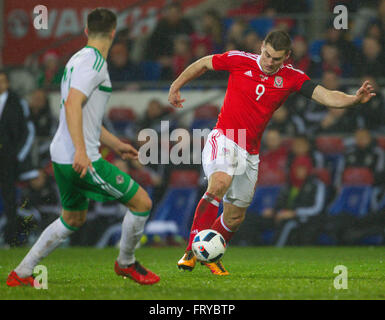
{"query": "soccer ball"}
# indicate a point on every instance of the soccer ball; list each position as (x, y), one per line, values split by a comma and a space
(208, 245)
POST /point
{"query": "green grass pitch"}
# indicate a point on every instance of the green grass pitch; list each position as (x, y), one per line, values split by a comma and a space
(255, 273)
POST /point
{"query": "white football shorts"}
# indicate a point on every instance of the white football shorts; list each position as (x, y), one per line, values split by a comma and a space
(223, 154)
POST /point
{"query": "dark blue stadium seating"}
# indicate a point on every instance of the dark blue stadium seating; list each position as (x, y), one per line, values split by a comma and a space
(174, 213)
(353, 200)
(356, 193)
(315, 49)
(262, 25)
(123, 121)
(205, 117)
(203, 123)
(264, 197)
(151, 70)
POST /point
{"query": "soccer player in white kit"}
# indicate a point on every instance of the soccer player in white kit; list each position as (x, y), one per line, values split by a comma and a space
(80, 172)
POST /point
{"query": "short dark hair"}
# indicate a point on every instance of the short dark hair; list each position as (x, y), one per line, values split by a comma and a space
(101, 21)
(279, 40)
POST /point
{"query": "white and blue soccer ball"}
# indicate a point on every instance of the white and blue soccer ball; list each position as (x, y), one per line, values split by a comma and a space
(209, 245)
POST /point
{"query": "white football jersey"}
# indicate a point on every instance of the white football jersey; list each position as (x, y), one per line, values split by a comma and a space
(85, 71)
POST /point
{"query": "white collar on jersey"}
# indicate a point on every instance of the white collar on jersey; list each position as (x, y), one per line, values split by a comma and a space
(270, 74)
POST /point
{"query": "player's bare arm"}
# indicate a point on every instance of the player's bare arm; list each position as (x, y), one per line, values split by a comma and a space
(338, 99)
(193, 71)
(73, 109)
(124, 150)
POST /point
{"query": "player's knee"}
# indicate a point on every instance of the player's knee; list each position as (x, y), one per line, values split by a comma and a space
(74, 220)
(147, 204)
(218, 187)
(144, 205)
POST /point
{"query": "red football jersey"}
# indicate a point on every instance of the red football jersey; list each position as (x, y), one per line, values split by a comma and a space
(252, 96)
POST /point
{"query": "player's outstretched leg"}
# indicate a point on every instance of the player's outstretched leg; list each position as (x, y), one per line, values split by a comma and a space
(205, 214)
(49, 240)
(126, 265)
(226, 224)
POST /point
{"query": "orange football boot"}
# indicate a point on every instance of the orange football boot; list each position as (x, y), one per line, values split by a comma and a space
(216, 268)
(188, 261)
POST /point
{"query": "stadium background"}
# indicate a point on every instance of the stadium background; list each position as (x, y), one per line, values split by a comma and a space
(148, 54)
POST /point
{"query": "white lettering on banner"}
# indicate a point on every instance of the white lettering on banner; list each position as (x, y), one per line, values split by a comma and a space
(17, 23)
(68, 23)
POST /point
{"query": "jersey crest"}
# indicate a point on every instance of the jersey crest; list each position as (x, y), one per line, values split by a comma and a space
(278, 82)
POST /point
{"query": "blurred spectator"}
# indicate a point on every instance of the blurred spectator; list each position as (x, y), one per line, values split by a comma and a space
(283, 6)
(199, 49)
(123, 36)
(338, 121)
(119, 66)
(236, 33)
(301, 200)
(155, 111)
(274, 154)
(181, 150)
(251, 42)
(365, 153)
(182, 55)
(212, 27)
(300, 57)
(51, 72)
(376, 27)
(339, 38)
(231, 45)
(330, 61)
(319, 119)
(371, 60)
(374, 31)
(287, 123)
(373, 112)
(161, 42)
(144, 175)
(41, 114)
(250, 7)
(352, 5)
(42, 194)
(44, 123)
(302, 147)
(15, 145)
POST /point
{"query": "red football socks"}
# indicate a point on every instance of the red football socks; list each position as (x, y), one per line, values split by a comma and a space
(220, 226)
(205, 214)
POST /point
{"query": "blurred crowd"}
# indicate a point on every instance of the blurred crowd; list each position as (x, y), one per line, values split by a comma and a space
(177, 40)
(291, 143)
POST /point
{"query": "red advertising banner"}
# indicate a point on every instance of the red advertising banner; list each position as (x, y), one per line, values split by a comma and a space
(66, 22)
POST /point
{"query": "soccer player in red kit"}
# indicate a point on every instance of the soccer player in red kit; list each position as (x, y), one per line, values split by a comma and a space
(257, 86)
